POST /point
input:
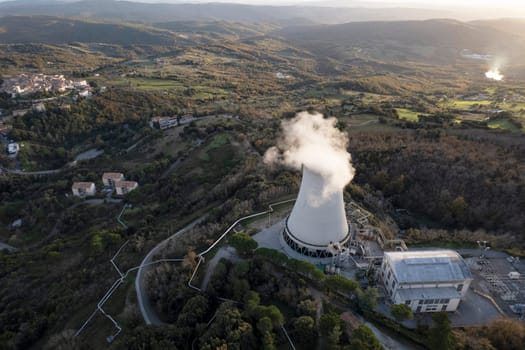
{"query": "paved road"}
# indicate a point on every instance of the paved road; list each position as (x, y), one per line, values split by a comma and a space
(148, 312)
(8, 247)
(21, 172)
(224, 252)
(40, 172)
(89, 154)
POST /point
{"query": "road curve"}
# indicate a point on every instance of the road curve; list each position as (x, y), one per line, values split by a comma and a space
(7, 247)
(148, 312)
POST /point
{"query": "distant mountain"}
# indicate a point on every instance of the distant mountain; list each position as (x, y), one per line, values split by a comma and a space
(404, 40)
(218, 29)
(150, 13)
(515, 26)
(57, 30)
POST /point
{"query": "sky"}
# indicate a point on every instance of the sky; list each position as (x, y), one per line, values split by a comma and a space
(509, 4)
(415, 3)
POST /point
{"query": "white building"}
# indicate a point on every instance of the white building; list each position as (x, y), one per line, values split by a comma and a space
(85, 93)
(164, 122)
(39, 107)
(13, 148)
(109, 179)
(427, 281)
(124, 187)
(83, 189)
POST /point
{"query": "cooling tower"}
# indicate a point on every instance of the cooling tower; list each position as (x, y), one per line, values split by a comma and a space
(316, 221)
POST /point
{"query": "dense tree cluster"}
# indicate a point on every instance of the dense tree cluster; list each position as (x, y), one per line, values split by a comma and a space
(457, 179)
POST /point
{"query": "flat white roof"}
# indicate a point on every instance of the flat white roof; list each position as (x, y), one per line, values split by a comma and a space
(112, 175)
(85, 185)
(428, 266)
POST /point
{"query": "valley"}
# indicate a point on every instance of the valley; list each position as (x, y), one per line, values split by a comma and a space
(438, 151)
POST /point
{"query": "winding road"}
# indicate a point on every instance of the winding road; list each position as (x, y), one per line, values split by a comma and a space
(7, 247)
(224, 252)
(146, 309)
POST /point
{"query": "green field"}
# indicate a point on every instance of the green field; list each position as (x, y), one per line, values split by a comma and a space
(408, 114)
(470, 104)
(517, 108)
(217, 142)
(503, 124)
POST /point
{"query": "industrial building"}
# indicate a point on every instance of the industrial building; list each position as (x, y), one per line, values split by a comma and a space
(427, 281)
(317, 226)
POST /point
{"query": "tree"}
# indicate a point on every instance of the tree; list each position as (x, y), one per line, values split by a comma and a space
(307, 307)
(251, 301)
(506, 333)
(64, 340)
(440, 336)
(340, 283)
(364, 339)
(304, 328)
(265, 326)
(333, 338)
(458, 207)
(193, 311)
(243, 242)
(401, 312)
(228, 328)
(367, 300)
(328, 322)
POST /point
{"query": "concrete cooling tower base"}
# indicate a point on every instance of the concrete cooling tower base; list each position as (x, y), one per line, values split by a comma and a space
(289, 241)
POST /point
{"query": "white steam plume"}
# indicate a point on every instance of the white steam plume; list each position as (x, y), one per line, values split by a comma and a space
(494, 74)
(315, 142)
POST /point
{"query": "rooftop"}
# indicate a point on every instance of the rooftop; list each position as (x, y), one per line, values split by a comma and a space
(428, 266)
(83, 185)
(112, 175)
(129, 184)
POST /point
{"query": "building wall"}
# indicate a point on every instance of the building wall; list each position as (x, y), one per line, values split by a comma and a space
(392, 287)
(418, 305)
(81, 192)
(123, 190)
(110, 182)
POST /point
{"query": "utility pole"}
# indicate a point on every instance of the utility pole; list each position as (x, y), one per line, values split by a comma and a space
(482, 248)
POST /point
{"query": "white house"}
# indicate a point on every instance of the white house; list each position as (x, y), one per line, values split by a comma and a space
(124, 187)
(83, 189)
(39, 107)
(13, 148)
(85, 93)
(427, 281)
(109, 179)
